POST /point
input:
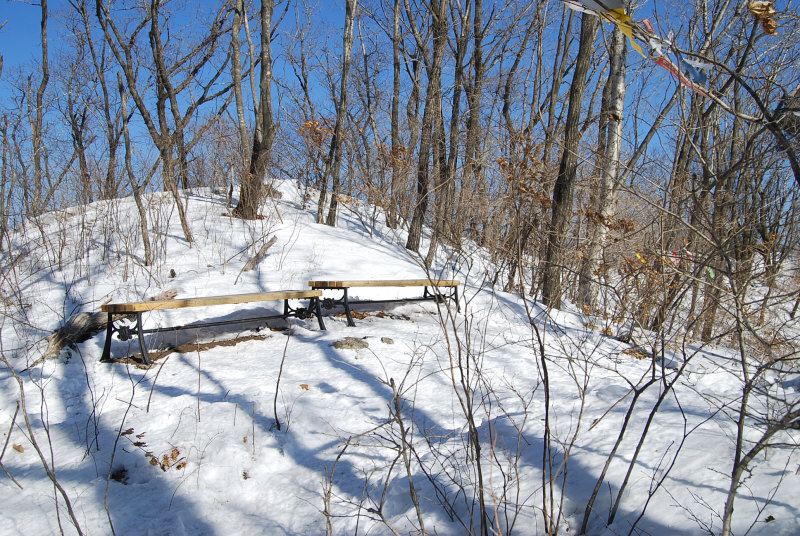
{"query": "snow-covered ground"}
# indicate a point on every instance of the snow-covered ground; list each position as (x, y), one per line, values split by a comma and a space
(191, 445)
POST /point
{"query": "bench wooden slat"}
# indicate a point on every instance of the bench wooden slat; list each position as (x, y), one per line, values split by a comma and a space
(386, 283)
(136, 307)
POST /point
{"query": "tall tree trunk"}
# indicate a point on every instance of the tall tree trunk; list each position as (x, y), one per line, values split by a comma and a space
(602, 210)
(472, 177)
(563, 191)
(7, 183)
(112, 128)
(137, 195)
(236, 70)
(560, 61)
(252, 186)
(447, 156)
(165, 141)
(236, 76)
(397, 156)
(438, 10)
(335, 154)
(39, 151)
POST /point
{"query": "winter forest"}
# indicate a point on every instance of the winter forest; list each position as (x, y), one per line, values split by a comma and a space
(615, 184)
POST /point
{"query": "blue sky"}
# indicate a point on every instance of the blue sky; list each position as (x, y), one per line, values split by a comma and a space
(19, 38)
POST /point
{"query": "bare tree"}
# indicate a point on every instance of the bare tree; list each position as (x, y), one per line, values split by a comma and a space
(122, 47)
(39, 150)
(334, 161)
(438, 11)
(601, 209)
(110, 113)
(563, 193)
(252, 185)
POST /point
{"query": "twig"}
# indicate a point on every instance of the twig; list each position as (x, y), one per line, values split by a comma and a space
(32, 437)
(278, 382)
(8, 438)
(114, 449)
(152, 387)
(405, 446)
(257, 258)
(198, 382)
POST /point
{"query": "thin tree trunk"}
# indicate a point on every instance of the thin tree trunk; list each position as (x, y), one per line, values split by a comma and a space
(397, 153)
(438, 10)
(39, 151)
(236, 75)
(472, 178)
(563, 191)
(447, 156)
(7, 183)
(137, 196)
(335, 155)
(252, 186)
(603, 211)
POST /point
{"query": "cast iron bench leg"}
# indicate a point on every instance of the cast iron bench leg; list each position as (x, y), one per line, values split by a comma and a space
(315, 306)
(142, 347)
(347, 310)
(428, 295)
(109, 333)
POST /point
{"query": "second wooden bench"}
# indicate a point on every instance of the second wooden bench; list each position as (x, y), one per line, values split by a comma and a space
(344, 286)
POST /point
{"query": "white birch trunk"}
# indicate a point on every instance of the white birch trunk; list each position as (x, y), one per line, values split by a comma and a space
(604, 209)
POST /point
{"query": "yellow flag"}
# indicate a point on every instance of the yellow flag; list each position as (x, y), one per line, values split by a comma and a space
(625, 24)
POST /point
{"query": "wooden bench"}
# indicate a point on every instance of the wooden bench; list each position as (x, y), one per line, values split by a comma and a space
(345, 300)
(137, 308)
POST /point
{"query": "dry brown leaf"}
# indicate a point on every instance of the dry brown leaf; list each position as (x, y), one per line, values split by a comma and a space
(638, 354)
(304, 386)
(765, 13)
(18, 448)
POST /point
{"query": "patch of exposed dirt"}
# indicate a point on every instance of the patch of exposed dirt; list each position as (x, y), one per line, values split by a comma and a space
(158, 354)
(358, 315)
(350, 343)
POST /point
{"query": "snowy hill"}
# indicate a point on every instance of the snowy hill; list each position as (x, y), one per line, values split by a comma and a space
(285, 433)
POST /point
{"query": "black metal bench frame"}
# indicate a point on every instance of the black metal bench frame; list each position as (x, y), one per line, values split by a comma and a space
(346, 302)
(126, 332)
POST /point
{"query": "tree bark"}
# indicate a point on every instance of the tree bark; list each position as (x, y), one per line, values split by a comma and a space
(252, 186)
(564, 188)
(335, 154)
(137, 196)
(602, 211)
(438, 9)
(397, 155)
(472, 178)
(447, 155)
(39, 151)
(236, 70)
